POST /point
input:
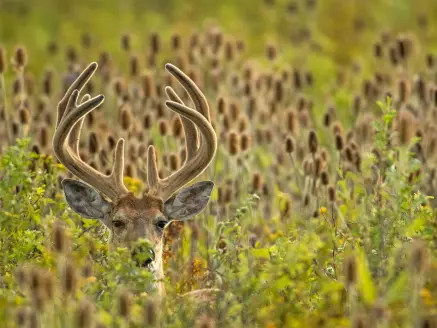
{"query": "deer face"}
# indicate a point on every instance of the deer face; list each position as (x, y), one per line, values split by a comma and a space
(131, 218)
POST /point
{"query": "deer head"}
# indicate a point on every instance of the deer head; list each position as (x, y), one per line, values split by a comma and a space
(106, 198)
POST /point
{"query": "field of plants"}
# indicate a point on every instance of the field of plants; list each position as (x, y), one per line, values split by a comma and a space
(323, 114)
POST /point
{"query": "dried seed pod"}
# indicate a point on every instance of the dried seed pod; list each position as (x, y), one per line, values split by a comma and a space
(233, 143)
(404, 90)
(331, 194)
(126, 42)
(292, 123)
(339, 142)
(378, 50)
(350, 270)
(24, 116)
(246, 141)
(174, 162)
(126, 117)
(150, 314)
(134, 64)
(324, 177)
(406, 127)
(154, 43)
(289, 144)
(124, 304)
(59, 238)
(163, 127)
(69, 279)
(312, 142)
(84, 314)
(93, 143)
(20, 57)
(419, 257)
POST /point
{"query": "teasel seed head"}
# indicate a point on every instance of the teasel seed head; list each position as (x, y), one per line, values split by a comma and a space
(419, 257)
(150, 313)
(59, 238)
(306, 200)
(124, 303)
(84, 314)
(174, 161)
(233, 143)
(234, 110)
(93, 143)
(246, 141)
(20, 57)
(404, 90)
(378, 50)
(21, 317)
(134, 65)
(289, 144)
(313, 142)
(125, 117)
(324, 177)
(350, 270)
(271, 52)
(24, 116)
(163, 127)
(69, 279)
(406, 127)
(360, 320)
(257, 182)
(154, 43)
(331, 193)
(126, 42)
(292, 123)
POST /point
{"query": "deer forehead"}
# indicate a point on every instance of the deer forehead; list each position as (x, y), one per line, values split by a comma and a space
(132, 208)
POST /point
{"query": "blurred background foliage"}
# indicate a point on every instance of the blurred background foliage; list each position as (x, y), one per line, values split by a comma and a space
(339, 29)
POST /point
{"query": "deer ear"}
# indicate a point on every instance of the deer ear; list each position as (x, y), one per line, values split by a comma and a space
(84, 200)
(189, 201)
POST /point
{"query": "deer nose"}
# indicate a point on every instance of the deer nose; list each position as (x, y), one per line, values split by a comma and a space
(143, 256)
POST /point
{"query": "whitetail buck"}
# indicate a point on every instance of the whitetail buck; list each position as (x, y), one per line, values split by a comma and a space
(126, 216)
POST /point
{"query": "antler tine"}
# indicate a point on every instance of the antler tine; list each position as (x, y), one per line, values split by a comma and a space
(199, 157)
(66, 140)
(191, 139)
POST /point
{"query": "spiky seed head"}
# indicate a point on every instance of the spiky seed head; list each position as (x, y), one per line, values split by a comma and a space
(292, 123)
(84, 314)
(126, 117)
(69, 279)
(93, 143)
(350, 270)
(297, 79)
(331, 194)
(339, 142)
(228, 195)
(378, 50)
(393, 56)
(59, 238)
(419, 257)
(126, 42)
(150, 313)
(21, 317)
(233, 143)
(289, 144)
(313, 142)
(271, 52)
(324, 177)
(176, 41)
(406, 127)
(404, 90)
(327, 119)
(246, 141)
(257, 182)
(163, 127)
(124, 303)
(24, 116)
(134, 64)
(306, 200)
(309, 78)
(154, 43)
(279, 91)
(174, 162)
(3, 61)
(86, 40)
(20, 57)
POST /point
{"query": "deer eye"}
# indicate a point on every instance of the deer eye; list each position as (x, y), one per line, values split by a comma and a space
(161, 224)
(118, 224)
